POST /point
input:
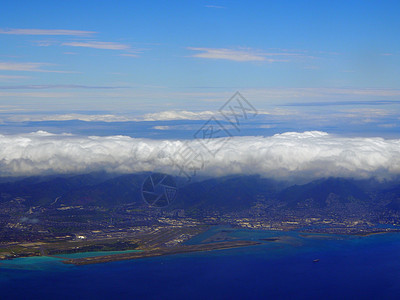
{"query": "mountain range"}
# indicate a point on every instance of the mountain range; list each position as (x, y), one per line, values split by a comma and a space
(226, 194)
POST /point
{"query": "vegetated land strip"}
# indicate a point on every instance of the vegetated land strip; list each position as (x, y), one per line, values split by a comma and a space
(160, 252)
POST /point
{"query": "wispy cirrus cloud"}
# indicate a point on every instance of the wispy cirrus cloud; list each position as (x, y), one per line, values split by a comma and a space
(27, 67)
(214, 6)
(35, 95)
(46, 32)
(13, 66)
(58, 86)
(227, 54)
(45, 43)
(242, 55)
(77, 43)
(129, 55)
(98, 45)
(11, 77)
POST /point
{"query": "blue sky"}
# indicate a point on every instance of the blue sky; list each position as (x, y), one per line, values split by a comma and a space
(329, 60)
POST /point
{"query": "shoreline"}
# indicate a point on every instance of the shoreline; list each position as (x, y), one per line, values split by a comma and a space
(160, 252)
(157, 249)
(360, 233)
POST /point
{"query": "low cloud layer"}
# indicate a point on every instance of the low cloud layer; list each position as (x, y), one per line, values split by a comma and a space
(169, 115)
(288, 155)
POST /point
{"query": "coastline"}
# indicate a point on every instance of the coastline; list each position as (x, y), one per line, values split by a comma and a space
(159, 243)
(160, 252)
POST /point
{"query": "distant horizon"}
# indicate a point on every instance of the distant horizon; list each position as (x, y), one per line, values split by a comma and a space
(309, 66)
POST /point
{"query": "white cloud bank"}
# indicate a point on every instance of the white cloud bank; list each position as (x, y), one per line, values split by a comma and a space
(305, 155)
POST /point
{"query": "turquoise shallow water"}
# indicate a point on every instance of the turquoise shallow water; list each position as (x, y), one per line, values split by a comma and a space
(45, 262)
(349, 267)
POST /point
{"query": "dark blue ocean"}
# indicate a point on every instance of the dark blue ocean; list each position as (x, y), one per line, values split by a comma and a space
(349, 267)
